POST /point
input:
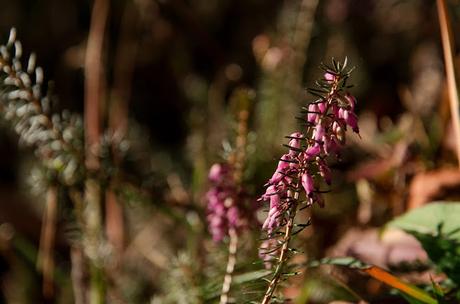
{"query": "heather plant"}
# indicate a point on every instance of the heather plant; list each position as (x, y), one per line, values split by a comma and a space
(296, 181)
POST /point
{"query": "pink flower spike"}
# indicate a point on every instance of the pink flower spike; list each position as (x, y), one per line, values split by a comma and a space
(307, 183)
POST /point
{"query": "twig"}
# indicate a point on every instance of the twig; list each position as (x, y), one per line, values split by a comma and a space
(78, 275)
(94, 96)
(94, 88)
(448, 45)
(118, 119)
(47, 241)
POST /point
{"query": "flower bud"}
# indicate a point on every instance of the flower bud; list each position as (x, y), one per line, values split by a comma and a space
(308, 183)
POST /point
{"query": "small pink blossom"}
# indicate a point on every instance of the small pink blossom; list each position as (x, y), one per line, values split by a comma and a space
(313, 151)
(308, 183)
(351, 100)
(294, 143)
(330, 77)
(312, 115)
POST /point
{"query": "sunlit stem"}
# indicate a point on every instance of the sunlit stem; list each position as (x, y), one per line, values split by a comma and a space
(232, 248)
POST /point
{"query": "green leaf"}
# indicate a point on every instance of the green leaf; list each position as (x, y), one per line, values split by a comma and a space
(428, 219)
(437, 228)
(342, 261)
(443, 252)
(251, 276)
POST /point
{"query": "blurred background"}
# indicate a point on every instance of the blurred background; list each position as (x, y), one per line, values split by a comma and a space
(176, 64)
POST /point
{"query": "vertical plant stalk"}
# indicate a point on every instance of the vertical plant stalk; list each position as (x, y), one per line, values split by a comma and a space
(94, 82)
(118, 118)
(78, 275)
(94, 96)
(78, 265)
(241, 141)
(232, 249)
(284, 250)
(281, 86)
(237, 160)
(448, 45)
(92, 215)
(47, 240)
(115, 224)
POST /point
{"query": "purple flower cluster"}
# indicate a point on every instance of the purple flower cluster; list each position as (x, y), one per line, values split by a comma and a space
(223, 202)
(327, 119)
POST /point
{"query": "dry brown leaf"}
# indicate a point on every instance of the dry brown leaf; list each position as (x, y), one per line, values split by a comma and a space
(428, 186)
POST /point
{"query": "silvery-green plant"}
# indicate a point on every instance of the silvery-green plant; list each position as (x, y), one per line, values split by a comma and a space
(57, 138)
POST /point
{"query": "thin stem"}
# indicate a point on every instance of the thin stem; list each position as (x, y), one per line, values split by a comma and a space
(232, 248)
(238, 160)
(241, 140)
(92, 215)
(78, 274)
(284, 250)
(94, 97)
(447, 44)
(47, 241)
(94, 88)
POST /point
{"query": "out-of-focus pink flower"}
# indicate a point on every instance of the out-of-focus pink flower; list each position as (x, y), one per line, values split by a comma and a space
(224, 206)
(217, 172)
